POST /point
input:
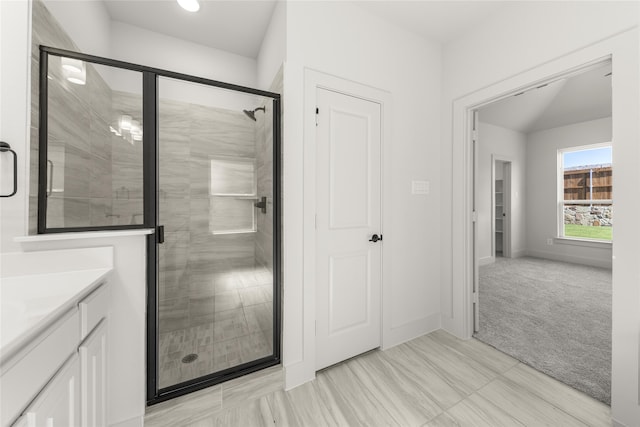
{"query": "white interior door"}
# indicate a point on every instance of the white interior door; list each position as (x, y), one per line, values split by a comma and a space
(348, 263)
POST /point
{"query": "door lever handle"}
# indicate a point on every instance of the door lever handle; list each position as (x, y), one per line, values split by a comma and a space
(375, 238)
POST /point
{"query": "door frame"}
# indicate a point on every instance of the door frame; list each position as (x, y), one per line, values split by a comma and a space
(461, 321)
(304, 369)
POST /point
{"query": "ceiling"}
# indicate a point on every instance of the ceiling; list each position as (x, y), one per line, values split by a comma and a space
(442, 21)
(239, 26)
(235, 26)
(583, 97)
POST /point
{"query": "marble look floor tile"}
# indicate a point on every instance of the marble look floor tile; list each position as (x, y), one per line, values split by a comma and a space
(362, 402)
(525, 406)
(459, 370)
(570, 400)
(488, 356)
(255, 413)
(283, 411)
(310, 408)
(477, 411)
(424, 376)
(341, 409)
(442, 420)
(406, 404)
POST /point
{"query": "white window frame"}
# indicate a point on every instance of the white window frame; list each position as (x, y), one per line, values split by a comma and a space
(560, 193)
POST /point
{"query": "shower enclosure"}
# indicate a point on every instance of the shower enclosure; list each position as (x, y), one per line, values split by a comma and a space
(196, 160)
(216, 206)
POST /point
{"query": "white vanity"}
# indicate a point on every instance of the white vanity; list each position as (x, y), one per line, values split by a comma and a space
(54, 310)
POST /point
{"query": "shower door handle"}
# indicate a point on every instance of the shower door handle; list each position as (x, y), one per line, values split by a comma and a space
(161, 234)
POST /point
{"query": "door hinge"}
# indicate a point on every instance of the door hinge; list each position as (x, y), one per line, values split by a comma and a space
(474, 216)
(474, 134)
(476, 300)
(317, 114)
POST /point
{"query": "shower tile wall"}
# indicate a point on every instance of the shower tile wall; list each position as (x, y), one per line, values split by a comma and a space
(90, 164)
(79, 137)
(214, 299)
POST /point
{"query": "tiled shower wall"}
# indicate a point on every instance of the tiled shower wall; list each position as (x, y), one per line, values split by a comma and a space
(79, 134)
(190, 136)
(87, 163)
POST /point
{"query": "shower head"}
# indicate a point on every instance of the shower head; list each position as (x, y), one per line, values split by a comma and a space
(252, 113)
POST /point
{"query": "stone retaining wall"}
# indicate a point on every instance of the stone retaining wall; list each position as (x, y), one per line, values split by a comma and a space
(596, 215)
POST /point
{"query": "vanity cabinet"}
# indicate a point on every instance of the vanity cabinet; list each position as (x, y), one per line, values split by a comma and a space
(58, 404)
(93, 374)
(62, 376)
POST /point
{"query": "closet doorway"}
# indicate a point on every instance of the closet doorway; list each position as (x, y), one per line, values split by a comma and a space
(501, 221)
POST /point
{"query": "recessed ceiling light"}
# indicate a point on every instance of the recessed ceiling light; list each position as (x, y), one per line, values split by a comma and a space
(73, 65)
(190, 5)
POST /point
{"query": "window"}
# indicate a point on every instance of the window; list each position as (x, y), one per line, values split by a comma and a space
(585, 207)
(233, 194)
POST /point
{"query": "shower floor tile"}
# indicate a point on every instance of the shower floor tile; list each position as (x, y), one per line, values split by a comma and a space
(227, 320)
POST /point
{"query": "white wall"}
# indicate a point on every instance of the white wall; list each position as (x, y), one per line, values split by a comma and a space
(90, 33)
(273, 49)
(15, 40)
(503, 144)
(542, 184)
(140, 46)
(343, 40)
(487, 63)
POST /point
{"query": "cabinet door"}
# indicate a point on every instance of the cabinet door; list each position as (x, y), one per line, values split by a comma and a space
(93, 365)
(58, 403)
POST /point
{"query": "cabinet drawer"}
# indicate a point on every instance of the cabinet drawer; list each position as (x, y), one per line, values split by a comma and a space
(93, 309)
(28, 375)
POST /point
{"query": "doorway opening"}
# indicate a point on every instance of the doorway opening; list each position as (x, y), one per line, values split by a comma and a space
(543, 281)
(502, 208)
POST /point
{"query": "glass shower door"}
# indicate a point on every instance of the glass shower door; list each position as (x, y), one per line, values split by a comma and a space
(216, 206)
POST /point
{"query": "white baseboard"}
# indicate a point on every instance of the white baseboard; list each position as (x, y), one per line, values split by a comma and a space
(519, 253)
(617, 423)
(297, 374)
(570, 258)
(486, 260)
(411, 330)
(132, 422)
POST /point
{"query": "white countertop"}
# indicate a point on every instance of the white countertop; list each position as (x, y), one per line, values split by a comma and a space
(31, 302)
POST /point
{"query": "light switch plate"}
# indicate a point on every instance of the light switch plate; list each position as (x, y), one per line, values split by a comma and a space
(419, 187)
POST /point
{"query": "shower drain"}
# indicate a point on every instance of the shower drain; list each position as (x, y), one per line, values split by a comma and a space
(189, 358)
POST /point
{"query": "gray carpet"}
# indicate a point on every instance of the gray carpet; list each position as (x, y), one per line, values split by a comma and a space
(552, 316)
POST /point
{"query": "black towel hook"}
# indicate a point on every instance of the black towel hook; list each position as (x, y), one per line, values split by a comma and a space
(4, 147)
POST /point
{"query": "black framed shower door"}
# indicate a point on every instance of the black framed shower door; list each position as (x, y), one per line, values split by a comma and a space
(204, 166)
